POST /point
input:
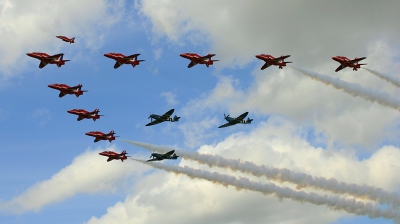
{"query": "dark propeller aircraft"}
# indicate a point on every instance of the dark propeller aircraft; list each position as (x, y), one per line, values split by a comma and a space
(165, 117)
(158, 156)
(233, 121)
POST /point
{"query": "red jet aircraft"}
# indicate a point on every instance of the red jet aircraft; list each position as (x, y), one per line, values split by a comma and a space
(101, 136)
(345, 62)
(113, 155)
(66, 39)
(47, 59)
(271, 60)
(197, 59)
(122, 59)
(82, 114)
(65, 89)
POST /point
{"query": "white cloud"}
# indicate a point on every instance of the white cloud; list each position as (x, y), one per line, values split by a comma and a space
(170, 98)
(158, 53)
(89, 173)
(43, 115)
(32, 26)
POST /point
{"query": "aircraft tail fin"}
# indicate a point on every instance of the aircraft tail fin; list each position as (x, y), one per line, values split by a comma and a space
(72, 40)
(248, 121)
(176, 118)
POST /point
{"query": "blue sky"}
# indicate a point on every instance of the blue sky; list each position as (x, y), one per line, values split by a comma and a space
(51, 171)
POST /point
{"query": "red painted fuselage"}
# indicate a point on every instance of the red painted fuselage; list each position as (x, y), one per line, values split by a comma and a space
(345, 62)
(66, 39)
(84, 114)
(271, 60)
(101, 136)
(197, 59)
(122, 59)
(113, 155)
(47, 59)
(65, 89)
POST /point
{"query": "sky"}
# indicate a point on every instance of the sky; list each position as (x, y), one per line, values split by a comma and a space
(331, 136)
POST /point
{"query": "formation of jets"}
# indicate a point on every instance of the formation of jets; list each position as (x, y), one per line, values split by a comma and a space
(120, 59)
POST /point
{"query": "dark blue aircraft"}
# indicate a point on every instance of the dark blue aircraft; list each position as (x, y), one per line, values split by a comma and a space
(158, 156)
(233, 121)
(165, 117)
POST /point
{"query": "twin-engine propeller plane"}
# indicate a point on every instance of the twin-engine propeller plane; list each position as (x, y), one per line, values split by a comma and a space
(101, 136)
(165, 117)
(122, 59)
(345, 62)
(113, 155)
(233, 121)
(66, 39)
(47, 59)
(271, 60)
(65, 89)
(158, 156)
(82, 114)
(197, 59)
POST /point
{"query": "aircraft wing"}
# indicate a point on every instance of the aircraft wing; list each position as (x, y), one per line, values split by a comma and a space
(154, 159)
(340, 68)
(241, 117)
(169, 153)
(168, 114)
(42, 64)
(191, 64)
(266, 65)
(280, 58)
(131, 56)
(56, 56)
(117, 64)
(358, 59)
(227, 125)
(109, 159)
(154, 122)
(61, 94)
(208, 56)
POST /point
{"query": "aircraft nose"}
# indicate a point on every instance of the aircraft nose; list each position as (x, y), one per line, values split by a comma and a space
(182, 55)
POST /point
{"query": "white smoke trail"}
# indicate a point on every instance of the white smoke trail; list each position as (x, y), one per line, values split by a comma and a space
(395, 81)
(333, 202)
(283, 175)
(353, 89)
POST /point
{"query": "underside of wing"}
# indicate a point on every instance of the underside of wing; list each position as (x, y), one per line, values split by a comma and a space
(117, 64)
(169, 153)
(227, 125)
(357, 60)
(154, 122)
(109, 159)
(191, 64)
(266, 65)
(340, 68)
(61, 94)
(42, 64)
(167, 114)
(154, 159)
(241, 117)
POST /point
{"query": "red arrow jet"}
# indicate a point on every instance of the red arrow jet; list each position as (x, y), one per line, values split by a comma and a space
(271, 60)
(197, 59)
(66, 39)
(345, 62)
(101, 136)
(65, 89)
(113, 155)
(47, 59)
(82, 114)
(122, 59)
